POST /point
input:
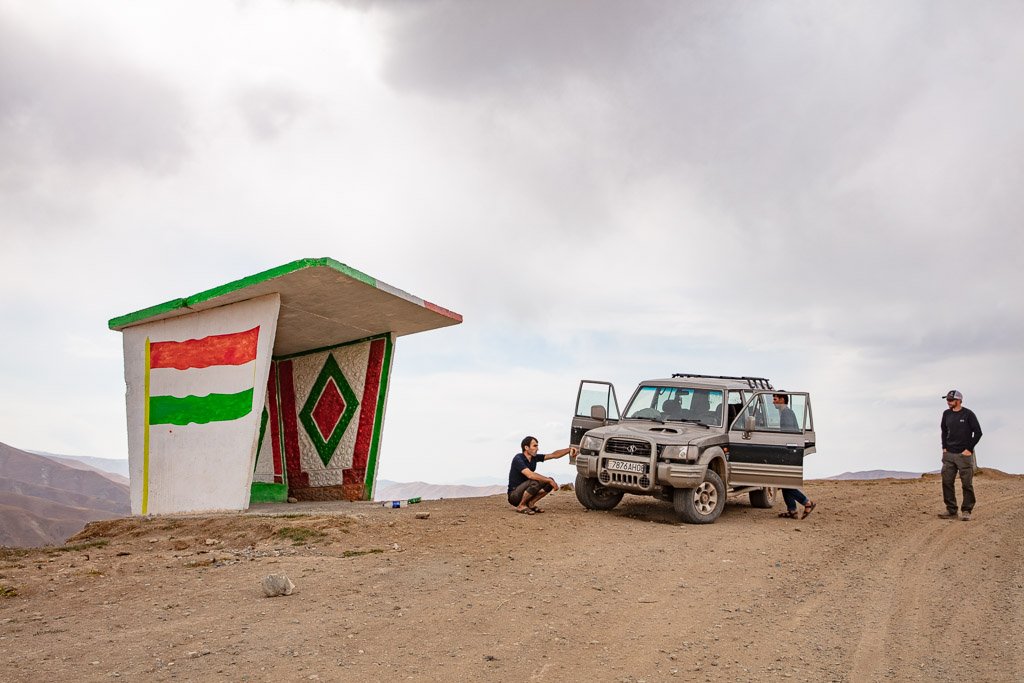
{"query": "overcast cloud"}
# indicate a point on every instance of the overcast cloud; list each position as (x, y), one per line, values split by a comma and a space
(823, 193)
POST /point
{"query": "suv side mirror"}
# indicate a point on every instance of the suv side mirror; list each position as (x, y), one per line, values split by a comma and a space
(748, 426)
(598, 412)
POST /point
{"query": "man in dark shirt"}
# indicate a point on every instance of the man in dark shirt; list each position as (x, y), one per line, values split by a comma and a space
(960, 434)
(525, 486)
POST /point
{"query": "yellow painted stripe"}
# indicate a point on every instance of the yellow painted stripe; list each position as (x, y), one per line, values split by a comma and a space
(145, 439)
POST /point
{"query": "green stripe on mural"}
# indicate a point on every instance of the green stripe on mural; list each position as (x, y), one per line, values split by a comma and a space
(172, 410)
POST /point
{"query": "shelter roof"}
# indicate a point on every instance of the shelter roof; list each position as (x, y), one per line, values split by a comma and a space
(323, 303)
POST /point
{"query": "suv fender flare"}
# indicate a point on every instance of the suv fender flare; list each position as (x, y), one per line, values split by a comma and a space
(714, 458)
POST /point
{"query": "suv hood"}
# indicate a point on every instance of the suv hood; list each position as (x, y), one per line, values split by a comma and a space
(670, 433)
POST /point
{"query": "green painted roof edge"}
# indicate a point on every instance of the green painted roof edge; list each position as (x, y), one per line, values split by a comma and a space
(137, 317)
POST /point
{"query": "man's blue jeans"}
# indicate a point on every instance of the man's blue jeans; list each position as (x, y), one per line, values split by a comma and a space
(792, 497)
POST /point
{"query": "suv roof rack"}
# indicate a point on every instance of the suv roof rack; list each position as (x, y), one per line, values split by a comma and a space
(752, 382)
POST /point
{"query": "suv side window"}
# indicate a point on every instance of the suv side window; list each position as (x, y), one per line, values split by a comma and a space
(768, 416)
(735, 405)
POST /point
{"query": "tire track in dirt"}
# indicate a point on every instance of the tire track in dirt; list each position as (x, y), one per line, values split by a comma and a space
(902, 583)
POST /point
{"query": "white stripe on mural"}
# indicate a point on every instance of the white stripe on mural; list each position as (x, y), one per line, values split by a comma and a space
(219, 379)
(191, 483)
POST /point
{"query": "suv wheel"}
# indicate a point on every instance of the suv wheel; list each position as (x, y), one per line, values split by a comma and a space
(763, 498)
(701, 505)
(595, 496)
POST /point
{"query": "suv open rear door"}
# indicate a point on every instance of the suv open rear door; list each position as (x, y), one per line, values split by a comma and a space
(596, 406)
(769, 439)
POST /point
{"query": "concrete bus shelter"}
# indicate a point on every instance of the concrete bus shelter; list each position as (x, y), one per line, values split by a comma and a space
(265, 387)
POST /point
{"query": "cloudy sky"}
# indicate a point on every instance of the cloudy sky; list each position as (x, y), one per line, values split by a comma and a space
(822, 193)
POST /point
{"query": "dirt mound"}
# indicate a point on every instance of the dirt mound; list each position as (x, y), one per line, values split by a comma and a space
(859, 591)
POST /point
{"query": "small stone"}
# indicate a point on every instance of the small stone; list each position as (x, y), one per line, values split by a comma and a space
(211, 541)
(277, 584)
(422, 515)
(293, 499)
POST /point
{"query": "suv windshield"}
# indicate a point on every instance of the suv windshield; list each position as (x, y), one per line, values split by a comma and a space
(676, 404)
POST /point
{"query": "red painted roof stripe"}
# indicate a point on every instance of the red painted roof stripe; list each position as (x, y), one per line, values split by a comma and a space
(443, 311)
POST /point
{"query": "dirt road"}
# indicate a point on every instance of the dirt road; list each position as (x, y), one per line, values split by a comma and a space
(872, 586)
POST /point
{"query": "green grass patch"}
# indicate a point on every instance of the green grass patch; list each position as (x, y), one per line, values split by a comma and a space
(300, 535)
(357, 553)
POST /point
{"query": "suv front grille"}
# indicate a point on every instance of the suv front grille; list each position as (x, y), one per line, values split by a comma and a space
(628, 447)
(641, 481)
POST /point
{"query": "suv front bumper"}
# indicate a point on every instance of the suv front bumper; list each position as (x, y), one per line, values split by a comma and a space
(676, 475)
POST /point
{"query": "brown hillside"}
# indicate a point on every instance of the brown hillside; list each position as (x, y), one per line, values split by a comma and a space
(81, 500)
(42, 501)
(871, 587)
(35, 469)
(27, 521)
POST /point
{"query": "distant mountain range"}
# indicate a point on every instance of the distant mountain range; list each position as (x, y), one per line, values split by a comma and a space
(45, 499)
(396, 490)
(106, 466)
(877, 474)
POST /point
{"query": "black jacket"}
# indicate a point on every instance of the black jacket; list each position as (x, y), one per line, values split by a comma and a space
(960, 430)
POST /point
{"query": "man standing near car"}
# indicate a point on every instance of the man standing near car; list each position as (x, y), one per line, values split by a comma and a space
(525, 486)
(960, 434)
(788, 423)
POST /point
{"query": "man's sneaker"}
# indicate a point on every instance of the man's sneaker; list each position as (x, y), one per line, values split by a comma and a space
(947, 515)
(966, 517)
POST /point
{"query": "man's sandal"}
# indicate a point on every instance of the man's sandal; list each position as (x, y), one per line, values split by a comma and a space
(536, 510)
(808, 509)
(525, 511)
(789, 514)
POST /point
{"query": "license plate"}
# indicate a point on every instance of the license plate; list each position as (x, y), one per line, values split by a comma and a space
(622, 466)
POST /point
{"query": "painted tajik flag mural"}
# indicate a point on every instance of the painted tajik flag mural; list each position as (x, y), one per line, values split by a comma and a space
(200, 395)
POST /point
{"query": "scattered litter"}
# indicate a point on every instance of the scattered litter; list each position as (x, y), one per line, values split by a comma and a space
(405, 502)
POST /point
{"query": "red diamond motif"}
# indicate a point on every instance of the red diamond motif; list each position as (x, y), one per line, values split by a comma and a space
(328, 409)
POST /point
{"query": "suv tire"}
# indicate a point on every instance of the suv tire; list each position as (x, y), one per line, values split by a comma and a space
(763, 498)
(701, 505)
(593, 496)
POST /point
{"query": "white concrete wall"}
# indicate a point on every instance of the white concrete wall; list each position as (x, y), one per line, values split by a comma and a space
(197, 467)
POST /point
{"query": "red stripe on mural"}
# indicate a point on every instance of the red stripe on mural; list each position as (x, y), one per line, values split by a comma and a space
(217, 349)
(367, 414)
(275, 428)
(297, 479)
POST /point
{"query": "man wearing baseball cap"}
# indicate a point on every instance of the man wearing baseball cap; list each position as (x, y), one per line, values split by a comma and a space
(960, 434)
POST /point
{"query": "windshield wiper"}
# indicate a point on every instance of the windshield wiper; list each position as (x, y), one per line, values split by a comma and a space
(658, 419)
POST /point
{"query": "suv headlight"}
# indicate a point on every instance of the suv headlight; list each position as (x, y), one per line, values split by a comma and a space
(591, 443)
(680, 452)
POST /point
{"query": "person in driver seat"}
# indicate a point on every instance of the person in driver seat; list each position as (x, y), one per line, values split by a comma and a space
(673, 409)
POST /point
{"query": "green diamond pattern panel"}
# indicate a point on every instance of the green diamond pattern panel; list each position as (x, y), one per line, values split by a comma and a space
(329, 409)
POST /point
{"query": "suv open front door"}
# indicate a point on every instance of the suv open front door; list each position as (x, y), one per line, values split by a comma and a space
(596, 406)
(769, 438)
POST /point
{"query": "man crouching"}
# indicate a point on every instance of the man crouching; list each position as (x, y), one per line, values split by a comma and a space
(525, 486)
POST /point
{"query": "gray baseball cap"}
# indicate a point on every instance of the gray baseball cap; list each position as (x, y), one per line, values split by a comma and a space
(953, 394)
